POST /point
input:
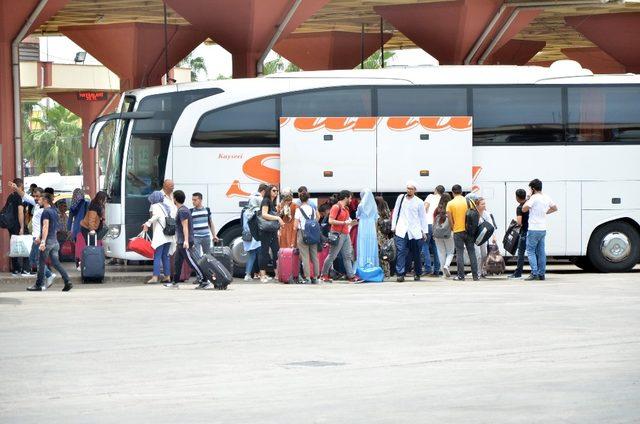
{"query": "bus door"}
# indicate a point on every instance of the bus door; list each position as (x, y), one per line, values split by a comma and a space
(328, 154)
(430, 150)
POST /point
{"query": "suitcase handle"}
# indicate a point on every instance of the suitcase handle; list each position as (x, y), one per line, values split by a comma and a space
(95, 238)
(220, 242)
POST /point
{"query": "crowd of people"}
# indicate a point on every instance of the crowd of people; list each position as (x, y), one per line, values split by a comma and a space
(359, 234)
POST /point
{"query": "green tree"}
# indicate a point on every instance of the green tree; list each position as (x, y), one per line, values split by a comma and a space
(197, 66)
(373, 61)
(55, 141)
(277, 65)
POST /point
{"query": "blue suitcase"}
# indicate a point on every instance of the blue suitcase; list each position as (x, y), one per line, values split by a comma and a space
(92, 266)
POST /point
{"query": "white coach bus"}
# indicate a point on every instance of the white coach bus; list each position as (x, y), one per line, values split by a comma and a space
(489, 128)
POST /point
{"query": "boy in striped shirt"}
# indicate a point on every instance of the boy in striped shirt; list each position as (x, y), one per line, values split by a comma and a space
(203, 228)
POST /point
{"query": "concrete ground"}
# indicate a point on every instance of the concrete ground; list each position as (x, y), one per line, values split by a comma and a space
(563, 350)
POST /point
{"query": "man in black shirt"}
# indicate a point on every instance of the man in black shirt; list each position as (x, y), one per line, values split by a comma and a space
(523, 221)
(14, 217)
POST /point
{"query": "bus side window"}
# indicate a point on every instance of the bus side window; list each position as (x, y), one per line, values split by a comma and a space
(423, 101)
(604, 114)
(328, 102)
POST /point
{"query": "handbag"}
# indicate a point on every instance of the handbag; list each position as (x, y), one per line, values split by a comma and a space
(91, 221)
(266, 226)
(388, 250)
(141, 244)
(333, 238)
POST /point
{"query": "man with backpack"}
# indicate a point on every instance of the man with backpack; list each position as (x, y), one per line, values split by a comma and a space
(409, 224)
(12, 217)
(464, 221)
(203, 228)
(308, 238)
(539, 206)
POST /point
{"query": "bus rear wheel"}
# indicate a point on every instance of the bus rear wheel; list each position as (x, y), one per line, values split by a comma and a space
(614, 247)
(232, 237)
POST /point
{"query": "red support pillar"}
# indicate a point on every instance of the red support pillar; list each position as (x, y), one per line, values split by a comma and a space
(516, 52)
(13, 16)
(328, 50)
(617, 34)
(87, 111)
(244, 27)
(135, 51)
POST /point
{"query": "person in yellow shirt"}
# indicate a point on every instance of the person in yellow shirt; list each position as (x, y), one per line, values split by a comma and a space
(456, 212)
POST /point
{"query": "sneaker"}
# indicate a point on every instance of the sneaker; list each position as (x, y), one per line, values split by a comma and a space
(78, 268)
(171, 285)
(248, 278)
(514, 277)
(205, 286)
(326, 279)
(477, 278)
(400, 279)
(25, 273)
(541, 277)
(36, 287)
(457, 278)
(15, 274)
(49, 281)
(416, 278)
(67, 286)
(446, 271)
(264, 279)
(355, 279)
(531, 277)
(314, 281)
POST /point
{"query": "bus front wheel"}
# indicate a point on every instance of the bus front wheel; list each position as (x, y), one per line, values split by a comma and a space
(232, 237)
(614, 247)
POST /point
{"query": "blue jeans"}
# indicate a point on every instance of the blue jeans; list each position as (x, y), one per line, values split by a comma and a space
(535, 252)
(252, 257)
(408, 249)
(33, 259)
(522, 249)
(428, 249)
(161, 257)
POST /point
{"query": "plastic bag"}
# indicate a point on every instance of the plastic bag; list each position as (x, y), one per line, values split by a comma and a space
(20, 246)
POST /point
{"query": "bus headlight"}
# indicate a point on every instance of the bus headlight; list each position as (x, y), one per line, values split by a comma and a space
(114, 231)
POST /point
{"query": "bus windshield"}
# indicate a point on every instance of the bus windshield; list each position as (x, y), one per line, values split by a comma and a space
(116, 152)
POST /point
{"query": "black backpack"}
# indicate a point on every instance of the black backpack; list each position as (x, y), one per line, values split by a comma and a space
(471, 220)
(169, 228)
(324, 225)
(8, 219)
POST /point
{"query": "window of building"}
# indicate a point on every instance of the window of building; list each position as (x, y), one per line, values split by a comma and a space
(250, 123)
(604, 114)
(517, 115)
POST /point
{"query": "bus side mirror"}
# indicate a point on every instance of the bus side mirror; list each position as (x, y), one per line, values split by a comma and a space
(94, 133)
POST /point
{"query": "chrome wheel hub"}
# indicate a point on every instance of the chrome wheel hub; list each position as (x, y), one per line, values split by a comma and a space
(615, 247)
(237, 252)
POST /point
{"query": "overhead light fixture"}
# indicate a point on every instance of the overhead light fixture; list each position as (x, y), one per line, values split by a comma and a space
(80, 57)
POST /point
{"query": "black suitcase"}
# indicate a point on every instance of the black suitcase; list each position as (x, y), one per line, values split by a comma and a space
(92, 266)
(223, 254)
(512, 237)
(211, 267)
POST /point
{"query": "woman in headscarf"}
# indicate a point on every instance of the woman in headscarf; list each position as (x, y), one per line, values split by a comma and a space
(287, 211)
(383, 230)
(77, 211)
(163, 244)
(368, 263)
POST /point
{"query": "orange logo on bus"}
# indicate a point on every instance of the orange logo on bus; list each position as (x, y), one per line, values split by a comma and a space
(334, 124)
(256, 169)
(433, 123)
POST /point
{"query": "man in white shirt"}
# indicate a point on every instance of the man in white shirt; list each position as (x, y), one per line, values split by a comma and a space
(430, 205)
(539, 206)
(409, 224)
(167, 191)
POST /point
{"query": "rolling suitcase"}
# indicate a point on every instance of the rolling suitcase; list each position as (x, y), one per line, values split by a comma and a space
(288, 265)
(212, 268)
(223, 254)
(92, 267)
(322, 257)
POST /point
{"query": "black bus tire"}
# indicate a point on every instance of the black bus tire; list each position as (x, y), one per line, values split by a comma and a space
(614, 247)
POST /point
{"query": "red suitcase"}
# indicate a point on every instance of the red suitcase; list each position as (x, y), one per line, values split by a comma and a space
(288, 265)
(67, 251)
(322, 257)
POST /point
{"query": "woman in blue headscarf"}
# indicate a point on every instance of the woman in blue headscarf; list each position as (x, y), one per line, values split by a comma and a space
(77, 211)
(163, 244)
(368, 267)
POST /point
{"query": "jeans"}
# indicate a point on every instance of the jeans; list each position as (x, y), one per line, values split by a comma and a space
(268, 242)
(308, 257)
(180, 256)
(408, 249)
(445, 249)
(50, 251)
(202, 245)
(536, 253)
(34, 257)
(344, 248)
(161, 257)
(522, 248)
(461, 243)
(252, 257)
(428, 249)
